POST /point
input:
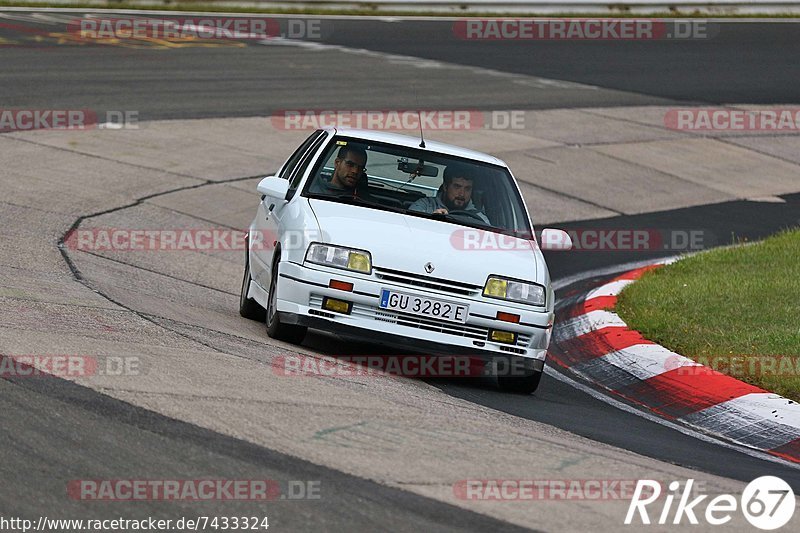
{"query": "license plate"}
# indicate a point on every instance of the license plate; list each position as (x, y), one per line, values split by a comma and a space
(424, 306)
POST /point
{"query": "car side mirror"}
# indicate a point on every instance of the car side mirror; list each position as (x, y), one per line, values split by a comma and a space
(273, 187)
(555, 239)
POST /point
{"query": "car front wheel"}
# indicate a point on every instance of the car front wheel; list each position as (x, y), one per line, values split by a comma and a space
(275, 328)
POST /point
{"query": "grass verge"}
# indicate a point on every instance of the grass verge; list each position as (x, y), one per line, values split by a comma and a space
(736, 310)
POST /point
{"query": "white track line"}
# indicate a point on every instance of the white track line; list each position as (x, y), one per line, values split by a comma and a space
(614, 269)
(646, 361)
(653, 418)
(591, 321)
(604, 397)
(609, 289)
(27, 18)
(535, 82)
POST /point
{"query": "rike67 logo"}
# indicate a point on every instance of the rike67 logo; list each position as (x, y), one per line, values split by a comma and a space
(767, 503)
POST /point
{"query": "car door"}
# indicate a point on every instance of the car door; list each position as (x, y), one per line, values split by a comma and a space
(267, 227)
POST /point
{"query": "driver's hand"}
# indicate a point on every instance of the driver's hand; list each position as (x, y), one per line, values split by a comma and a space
(440, 211)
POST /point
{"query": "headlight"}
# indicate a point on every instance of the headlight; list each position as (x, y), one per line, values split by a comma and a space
(516, 291)
(339, 257)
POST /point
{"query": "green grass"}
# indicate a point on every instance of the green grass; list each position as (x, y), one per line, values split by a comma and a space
(735, 309)
(369, 9)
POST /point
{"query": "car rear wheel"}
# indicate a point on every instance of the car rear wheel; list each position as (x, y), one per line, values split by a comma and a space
(526, 384)
(275, 328)
(248, 307)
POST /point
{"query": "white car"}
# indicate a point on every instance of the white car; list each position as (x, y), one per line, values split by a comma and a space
(423, 246)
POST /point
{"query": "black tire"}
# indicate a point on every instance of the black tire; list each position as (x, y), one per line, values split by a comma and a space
(520, 384)
(248, 307)
(275, 328)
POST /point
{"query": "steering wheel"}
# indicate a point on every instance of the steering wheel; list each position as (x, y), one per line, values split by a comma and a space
(472, 214)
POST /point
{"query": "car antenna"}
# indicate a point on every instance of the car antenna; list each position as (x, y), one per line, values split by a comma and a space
(421, 138)
(419, 117)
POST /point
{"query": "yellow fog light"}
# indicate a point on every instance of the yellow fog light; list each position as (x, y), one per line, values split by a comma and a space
(339, 306)
(507, 337)
(359, 262)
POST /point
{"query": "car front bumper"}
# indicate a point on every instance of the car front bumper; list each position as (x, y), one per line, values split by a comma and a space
(301, 290)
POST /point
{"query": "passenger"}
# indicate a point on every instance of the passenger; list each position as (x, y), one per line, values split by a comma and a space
(348, 169)
(454, 195)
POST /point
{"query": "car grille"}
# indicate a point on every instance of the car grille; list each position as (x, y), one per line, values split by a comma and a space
(427, 282)
(480, 333)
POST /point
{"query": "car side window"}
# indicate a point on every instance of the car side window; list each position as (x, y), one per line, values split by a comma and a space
(300, 169)
(290, 165)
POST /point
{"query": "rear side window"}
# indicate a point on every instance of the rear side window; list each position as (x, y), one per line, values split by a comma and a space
(291, 164)
(300, 169)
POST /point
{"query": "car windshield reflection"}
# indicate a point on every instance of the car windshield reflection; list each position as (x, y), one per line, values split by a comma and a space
(419, 183)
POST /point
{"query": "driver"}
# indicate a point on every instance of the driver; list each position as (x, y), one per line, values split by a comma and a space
(454, 195)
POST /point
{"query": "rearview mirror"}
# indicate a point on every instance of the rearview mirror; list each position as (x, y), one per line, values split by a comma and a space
(420, 169)
(555, 239)
(273, 187)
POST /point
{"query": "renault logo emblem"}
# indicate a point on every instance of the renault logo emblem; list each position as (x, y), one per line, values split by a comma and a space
(429, 267)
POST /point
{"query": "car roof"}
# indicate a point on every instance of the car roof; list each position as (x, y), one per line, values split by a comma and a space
(413, 142)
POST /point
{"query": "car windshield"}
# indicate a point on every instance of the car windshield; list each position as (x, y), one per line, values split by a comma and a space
(419, 183)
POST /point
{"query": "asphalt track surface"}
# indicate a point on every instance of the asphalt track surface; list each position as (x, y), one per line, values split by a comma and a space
(46, 420)
(744, 62)
(58, 416)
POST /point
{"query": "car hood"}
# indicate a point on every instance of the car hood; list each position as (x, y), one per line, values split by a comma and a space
(406, 242)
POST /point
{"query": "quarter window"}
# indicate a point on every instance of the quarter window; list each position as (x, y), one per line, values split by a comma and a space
(290, 165)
